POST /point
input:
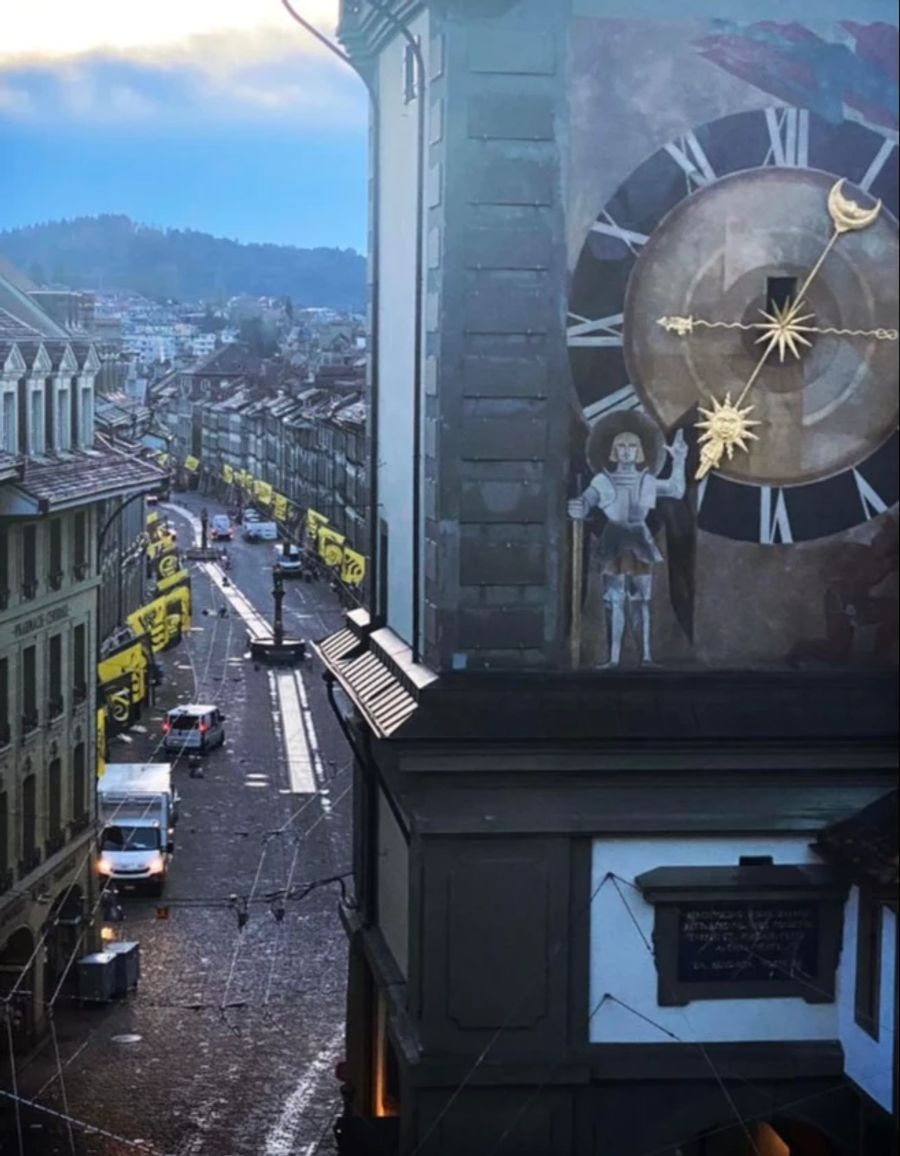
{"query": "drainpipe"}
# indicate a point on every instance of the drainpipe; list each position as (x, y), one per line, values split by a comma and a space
(377, 599)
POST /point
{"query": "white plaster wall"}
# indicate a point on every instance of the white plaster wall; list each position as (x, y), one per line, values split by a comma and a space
(868, 1062)
(622, 966)
(399, 161)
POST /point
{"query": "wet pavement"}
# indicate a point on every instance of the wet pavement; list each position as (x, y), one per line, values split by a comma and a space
(228, 1046)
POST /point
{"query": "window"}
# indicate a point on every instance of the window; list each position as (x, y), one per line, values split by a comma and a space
(86, 433)
(868, 963)
(4, 702)
(36, 442)
(29, 689)
(79, 662)
(410, 74)
(55, 575)
(79, 782)
(29, 820)
(4, 569)
(54, 687)
(4, 838)
(63, 429)
(29, 561)
(54, 799)
(80, 544)
(9, 436)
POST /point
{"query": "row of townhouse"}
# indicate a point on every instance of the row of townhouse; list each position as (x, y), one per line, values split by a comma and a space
(308, 443)
(61, 489)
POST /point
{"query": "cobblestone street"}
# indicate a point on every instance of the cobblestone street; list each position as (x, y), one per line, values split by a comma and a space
(229, 1045)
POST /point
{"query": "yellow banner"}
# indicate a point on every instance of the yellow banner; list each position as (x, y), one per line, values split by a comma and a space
(101, 742)
(246, 479)
(178, 611)
(164, 543)
(280, 507)
(228, 474)
(262, 491)
(331, 546)
(163, 458)
(131, 660)
(314, 522)
(353, 569)
(152, 518)
(191, 464)
(180, 577)
(151, 619)
(167, 564)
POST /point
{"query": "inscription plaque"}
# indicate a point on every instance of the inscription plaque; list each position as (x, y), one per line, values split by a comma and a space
(724, 942)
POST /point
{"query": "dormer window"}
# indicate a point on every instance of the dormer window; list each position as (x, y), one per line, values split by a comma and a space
(63, 425)
(86, 416)
(9, 421)
(36, 420)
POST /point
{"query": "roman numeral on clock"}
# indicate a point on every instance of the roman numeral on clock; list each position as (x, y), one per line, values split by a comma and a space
(608, 228)
(774, 524)
(688, 154)
(880, 159)
(604, 333)
(788, 137)
(615, 402)
(872, 502)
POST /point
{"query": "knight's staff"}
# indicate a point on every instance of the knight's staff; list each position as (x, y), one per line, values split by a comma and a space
(577, 567)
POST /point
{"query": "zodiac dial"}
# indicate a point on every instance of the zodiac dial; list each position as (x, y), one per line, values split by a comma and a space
(784, 329)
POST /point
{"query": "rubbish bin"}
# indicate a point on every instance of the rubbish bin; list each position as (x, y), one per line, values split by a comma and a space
(97, 977)
(127, 965)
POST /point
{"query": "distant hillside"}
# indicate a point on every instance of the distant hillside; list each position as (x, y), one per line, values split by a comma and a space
(112, 252)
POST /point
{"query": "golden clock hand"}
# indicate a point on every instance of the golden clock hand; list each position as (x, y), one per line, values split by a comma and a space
(847, 217)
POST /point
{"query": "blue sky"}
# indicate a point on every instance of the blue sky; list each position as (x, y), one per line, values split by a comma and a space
(217, 115)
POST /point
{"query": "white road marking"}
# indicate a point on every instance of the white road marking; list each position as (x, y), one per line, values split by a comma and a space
(252, 619)
(189, 517)
(296, 747)
(282, 1135)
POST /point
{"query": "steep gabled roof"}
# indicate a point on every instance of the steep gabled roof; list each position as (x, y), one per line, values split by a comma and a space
(866, 843)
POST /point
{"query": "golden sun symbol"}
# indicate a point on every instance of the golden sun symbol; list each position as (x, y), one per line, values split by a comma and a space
(726, 426)
(784, 329)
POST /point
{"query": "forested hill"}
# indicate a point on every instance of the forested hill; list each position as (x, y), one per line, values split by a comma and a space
(112, 252)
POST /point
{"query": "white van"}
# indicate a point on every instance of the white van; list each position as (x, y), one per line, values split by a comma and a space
(290, 558)
(195, 727)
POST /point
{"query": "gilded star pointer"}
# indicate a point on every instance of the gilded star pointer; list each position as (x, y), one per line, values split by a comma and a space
(783, 329)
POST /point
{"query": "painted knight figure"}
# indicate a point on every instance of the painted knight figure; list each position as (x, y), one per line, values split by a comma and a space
(627, 452)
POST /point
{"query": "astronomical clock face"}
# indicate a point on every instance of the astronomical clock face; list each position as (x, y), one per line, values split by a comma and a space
(683, 295)
(733, 316)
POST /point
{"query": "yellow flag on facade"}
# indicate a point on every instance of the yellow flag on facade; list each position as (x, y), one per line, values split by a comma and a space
(151, 619)
(331, 546)
(228, 474)
(353, 569)
(101, 741)
(262, 491)
(191, 464)
(280, 507)
(169, 581)
(314, 523)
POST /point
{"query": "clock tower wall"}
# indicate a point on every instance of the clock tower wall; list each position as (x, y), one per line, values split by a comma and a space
(498, 404)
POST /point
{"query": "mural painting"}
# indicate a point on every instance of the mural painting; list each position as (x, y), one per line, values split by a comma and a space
(733, 339)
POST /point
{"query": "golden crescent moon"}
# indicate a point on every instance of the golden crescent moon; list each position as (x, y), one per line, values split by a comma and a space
(847, 215)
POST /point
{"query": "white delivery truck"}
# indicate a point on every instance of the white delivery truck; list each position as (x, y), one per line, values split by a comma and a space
(138, 810)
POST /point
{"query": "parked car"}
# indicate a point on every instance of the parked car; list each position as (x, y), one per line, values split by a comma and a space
(221, 529)
(290, 558)
(260, 532)
(194, 727)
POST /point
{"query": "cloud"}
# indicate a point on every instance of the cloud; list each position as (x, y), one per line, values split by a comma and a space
(55, 30)
(218, 80)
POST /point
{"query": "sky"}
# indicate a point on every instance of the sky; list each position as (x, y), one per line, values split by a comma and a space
(217, 115)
